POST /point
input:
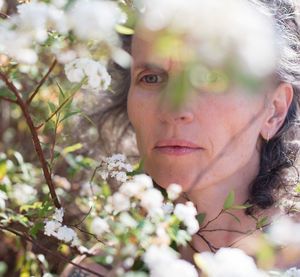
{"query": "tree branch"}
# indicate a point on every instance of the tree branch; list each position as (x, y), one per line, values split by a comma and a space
(29, 239)
(58, 110)
(211, 247)
(8, 99)
(34, 136)
(41, 82)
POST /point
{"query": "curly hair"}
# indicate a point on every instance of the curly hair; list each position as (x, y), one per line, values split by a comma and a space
(280, 153)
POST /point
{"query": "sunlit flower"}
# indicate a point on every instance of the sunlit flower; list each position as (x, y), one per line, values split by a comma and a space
(231, 262)
(99, 226)
(187, 213)
(23, 193)
(174, 191)
(96, 73)
(120, 202)
(152, 201)
(58, 215)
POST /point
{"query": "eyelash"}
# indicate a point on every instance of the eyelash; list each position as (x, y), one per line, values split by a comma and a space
(159, 79)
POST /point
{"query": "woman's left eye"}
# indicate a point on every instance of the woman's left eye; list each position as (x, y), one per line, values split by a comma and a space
(152, 79)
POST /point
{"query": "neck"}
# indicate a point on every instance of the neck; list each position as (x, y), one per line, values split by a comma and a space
(219, 228)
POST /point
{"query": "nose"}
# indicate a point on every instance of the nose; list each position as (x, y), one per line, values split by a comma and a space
(182, 115)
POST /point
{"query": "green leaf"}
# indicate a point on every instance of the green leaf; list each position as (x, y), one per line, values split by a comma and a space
(200, 218)
(140, 168)
(61, 91)
(297, 189)
(111, 90)
(229, 200)
(88, 118)
(3, 169)
(261, 223)
(72, 148)
(37, 226)
(69, 115)
(235, 217)
(52, 107)
(124, 30)
(240, 207)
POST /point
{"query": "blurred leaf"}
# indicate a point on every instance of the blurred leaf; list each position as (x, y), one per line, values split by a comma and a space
(240, 207)
(235, 217)
(140, 168)
(200, 218)
(124, 30)
(297, 189)
(69, 115)
(3, 268)
(229, 200)
(3, 169)
(72, 148)
(37, 226)
(52, 107)
(261, 223)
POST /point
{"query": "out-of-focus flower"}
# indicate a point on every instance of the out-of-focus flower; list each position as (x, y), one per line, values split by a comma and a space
(92, 19)
(1, 4)
(284, 231)
(120, 202)
(23, 193)
(162, 261)
(174, 191)
(231, 262)
(62, 182)
(96, 73)
(51, 227)
(99, 226)
(152, 201)
(3, 197)
(187, 213)
(216, 41)
(292, 272)
(59, 214)
(88, 189)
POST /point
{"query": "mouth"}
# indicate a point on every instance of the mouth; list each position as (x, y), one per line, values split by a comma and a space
(176, 147)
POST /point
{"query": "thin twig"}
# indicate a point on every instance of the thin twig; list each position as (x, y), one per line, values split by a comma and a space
(210, 221)
(83, 219)
(50, 251)
(8, 99)
(42, 82)
(35, 138)
(211, 247)
(57, 110)
(4, 16)
(224, 230)
(53, 143)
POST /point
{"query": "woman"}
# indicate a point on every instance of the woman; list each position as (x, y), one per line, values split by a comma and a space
(212, 143)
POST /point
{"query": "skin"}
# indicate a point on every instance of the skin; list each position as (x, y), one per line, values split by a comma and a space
(226, 128)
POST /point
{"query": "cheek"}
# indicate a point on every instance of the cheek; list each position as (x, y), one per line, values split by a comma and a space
(141, 115)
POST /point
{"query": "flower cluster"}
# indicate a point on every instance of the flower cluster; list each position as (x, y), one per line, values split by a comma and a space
(36, 21)
(96, 74)
(216, 43)
(115, 167)
(55, 228)
(163, 261)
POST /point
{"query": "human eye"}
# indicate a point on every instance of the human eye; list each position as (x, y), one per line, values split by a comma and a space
(151, 79)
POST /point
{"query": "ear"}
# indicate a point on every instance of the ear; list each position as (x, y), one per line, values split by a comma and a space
(278, 105)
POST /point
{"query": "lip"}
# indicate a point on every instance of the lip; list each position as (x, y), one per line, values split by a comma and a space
(177, 147)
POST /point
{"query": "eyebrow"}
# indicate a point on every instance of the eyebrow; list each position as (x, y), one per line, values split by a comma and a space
(145, 65)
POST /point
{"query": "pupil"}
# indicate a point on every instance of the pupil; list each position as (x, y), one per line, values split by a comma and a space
(151, 79)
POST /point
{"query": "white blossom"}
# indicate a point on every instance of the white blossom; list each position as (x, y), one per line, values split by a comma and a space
(23, 193)
(231, 262)
(187, 213)
(144, 180)
(66, 234)
(97, 75)
(3, 197)
(99, 226)
(51, 227)
(284, 231)
(152, 201)
(251, 40)
(174, 191)
(162, 261)
(127, 220)
(292, 272)
(92, 19)
(88, 189)
(120, 202)
(59, 214)
(168, 208)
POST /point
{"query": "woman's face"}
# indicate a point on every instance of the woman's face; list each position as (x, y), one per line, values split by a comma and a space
(212, 135)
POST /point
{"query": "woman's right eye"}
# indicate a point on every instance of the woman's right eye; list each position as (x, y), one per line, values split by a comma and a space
(151, 79)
